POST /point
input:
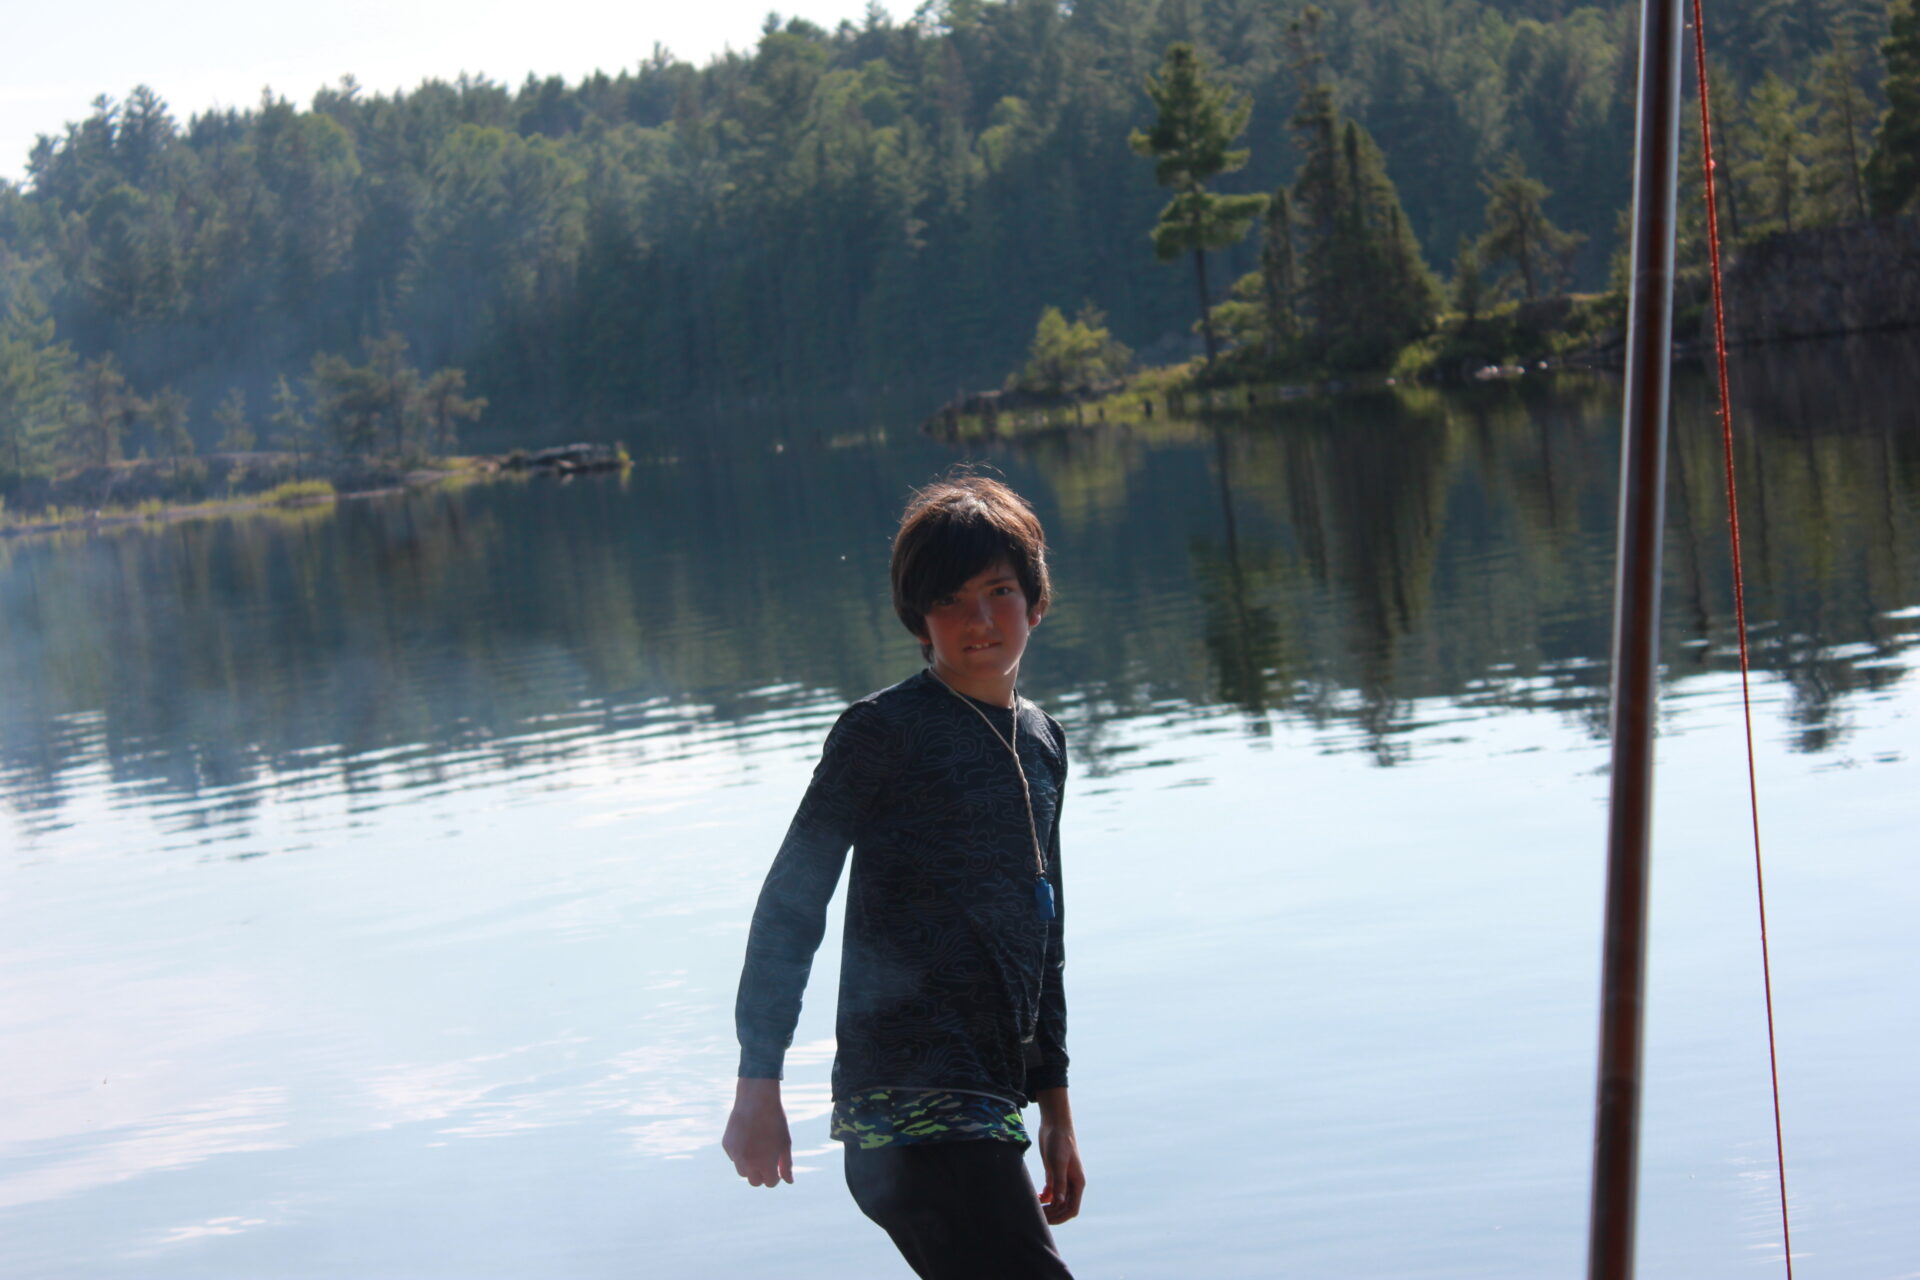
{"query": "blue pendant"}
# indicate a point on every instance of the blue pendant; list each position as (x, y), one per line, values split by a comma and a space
(1043, 898)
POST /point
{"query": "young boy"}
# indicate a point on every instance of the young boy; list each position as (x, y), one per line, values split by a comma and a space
(951, 1017)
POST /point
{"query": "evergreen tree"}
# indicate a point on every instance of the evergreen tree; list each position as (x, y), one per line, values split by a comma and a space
(236, 436)
(36, 377)
(440, 404)
(107, 406)
(166, 410)
(293, 429)
(1189, 144)
(396, 386)
(1620, 264)
(1316, 188)
(1893, 170)
(1728, 138)
(1365, 286)
(1279, 274)
(1067, 357)
(1245, 320)
(1837, 183)
(1520, 236)
(1770, 164)
(1469, 290)
(1690, 199)
(384, 404)
(350, 404)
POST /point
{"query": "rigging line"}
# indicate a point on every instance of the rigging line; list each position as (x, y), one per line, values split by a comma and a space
(1740, 604)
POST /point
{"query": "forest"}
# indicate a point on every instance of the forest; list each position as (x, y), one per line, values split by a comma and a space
(883, 207)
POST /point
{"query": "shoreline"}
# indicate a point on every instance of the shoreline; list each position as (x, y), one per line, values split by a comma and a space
(1171, 392)
(172, 513)
(315, 491)
(1559, 333)
(1165, 397)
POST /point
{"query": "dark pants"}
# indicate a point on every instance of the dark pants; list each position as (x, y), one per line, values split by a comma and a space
(957, 1210)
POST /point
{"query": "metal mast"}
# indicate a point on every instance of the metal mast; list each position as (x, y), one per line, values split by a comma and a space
(1636, 656)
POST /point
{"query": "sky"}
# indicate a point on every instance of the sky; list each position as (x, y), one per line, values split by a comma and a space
(206, 53)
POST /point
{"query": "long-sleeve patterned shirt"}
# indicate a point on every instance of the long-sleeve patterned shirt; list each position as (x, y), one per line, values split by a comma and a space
(949, 977)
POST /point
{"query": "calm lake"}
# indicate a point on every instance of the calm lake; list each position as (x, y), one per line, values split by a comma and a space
(374, 881)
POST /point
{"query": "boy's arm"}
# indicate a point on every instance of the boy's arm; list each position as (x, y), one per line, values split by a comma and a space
(788, 921)
(1051, 1033)
(1047, 1082)
(1060, 1154)
(791, 914)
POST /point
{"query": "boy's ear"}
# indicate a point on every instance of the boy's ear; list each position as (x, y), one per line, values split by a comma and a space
(1034, 615)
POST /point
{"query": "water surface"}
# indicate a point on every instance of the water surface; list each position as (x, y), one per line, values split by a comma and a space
(375, 880)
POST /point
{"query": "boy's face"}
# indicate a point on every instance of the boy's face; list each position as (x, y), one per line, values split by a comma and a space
(979, 631)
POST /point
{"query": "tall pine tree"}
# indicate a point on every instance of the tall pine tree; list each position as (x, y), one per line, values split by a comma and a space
(1837, 178)
(1279, 274)
(1468, 292)
(1519, 233)
(1771, 164)
(1893, 171)
(36, 377)
(107, 407)
(1365, 287)
(1190, 144)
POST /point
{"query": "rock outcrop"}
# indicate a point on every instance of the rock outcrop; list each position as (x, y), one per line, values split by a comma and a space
(1827, 280)
(564, 459)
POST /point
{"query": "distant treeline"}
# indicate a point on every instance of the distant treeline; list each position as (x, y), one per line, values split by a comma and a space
(880, 205)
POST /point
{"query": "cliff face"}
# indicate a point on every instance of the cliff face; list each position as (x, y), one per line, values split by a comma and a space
(1802, 284)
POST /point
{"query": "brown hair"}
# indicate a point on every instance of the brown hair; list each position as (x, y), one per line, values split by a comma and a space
(952, 530)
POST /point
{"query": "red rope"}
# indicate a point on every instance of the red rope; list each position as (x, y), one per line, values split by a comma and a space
(1740, 606)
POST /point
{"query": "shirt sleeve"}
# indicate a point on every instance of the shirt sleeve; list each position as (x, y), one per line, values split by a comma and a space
(791, 915)
(1051, 1034)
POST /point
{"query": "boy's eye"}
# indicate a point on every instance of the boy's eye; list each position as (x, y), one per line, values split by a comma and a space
(942, 602)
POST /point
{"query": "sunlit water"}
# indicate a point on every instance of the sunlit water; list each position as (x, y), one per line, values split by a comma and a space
(375, 883)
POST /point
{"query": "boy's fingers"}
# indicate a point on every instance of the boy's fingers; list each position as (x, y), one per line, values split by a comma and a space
(1052, 1201)
(1065, 1205)
(786, 1166)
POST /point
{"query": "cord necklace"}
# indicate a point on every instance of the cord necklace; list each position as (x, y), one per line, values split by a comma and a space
(1042, 891)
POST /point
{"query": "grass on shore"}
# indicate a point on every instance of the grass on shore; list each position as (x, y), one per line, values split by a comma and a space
(227, 484)
(296, 493)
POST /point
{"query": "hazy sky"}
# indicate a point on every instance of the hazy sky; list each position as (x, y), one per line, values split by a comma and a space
(203, 53)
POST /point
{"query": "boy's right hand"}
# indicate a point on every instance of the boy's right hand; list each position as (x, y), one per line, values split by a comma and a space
(757, 1140)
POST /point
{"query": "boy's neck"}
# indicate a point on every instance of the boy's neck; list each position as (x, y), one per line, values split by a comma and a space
(997, 690)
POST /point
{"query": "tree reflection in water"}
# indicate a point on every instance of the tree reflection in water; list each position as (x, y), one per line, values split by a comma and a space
(1352, 562)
